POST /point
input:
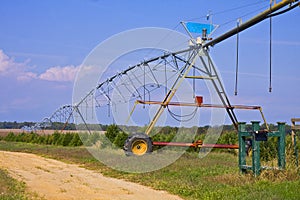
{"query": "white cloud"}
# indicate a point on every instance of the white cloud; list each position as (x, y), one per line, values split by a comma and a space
(66, 73)
(26, 76)
(9, 66)
(4, 62)
(21, 71)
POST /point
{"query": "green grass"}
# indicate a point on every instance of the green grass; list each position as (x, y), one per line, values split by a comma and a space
(11, 189)
(214, 177)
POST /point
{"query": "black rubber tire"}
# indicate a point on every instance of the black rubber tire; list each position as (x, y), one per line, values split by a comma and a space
(137, 137)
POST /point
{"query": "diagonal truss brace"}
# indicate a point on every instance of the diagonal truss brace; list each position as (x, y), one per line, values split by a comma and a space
(183, 73)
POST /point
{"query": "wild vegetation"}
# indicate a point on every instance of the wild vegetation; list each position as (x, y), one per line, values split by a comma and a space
(215, 176)
(10, 189)
(114, 135)
(67, 139)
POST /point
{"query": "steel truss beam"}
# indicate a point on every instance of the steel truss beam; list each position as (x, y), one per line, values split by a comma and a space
(176, 58)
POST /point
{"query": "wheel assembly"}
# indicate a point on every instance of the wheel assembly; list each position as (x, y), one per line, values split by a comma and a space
(138, 144)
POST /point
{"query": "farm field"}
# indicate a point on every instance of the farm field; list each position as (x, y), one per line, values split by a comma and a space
(4, 132)
(213, 177)
(149, 100)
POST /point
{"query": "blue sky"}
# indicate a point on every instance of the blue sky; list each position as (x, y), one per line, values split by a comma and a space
(42, 43)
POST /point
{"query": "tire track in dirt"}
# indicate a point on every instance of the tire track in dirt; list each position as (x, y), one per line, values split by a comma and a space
(54, 179)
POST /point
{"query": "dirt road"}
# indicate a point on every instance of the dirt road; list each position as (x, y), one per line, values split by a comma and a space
(53, 179)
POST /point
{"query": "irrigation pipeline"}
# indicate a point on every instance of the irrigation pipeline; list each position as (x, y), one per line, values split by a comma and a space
(255, 20)
(272, 11)
(260, 17)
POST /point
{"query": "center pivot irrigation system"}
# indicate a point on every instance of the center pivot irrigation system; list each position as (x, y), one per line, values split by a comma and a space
(193, 63)
(140, 144)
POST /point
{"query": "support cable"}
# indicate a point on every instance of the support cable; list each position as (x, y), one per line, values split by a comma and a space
(228, 10)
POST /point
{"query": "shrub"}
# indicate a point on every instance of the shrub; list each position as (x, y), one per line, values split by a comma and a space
(104, 141)
(31, 137)
(228, 138)
(268, 149)
(60, 139)
(120, 139)
(76, 141)
(49, 139)
(20, 137)
(91, 139)
(41, 139)
(55, 138)
(112, 132)
(67, 139)
(10, 137)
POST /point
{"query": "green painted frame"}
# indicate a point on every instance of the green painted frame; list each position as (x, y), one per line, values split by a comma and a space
(256, 165)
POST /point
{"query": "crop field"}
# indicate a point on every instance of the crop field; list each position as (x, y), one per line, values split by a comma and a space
(4, 132)
(214, 177)
(194, 101)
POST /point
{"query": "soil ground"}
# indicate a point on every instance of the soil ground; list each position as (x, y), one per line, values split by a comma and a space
(52, 179)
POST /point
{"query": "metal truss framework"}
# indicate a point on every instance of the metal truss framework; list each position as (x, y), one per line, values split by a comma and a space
(138, 82)
(63, 114)
(130, 85)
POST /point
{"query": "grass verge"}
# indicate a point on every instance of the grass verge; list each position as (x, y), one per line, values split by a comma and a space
(214, 177)
(11, 189)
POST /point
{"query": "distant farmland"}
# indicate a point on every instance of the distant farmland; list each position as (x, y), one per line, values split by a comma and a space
(4, 132)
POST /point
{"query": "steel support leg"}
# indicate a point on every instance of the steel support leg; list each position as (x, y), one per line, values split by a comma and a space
(255, 150)
(242, 149)
(281, 145)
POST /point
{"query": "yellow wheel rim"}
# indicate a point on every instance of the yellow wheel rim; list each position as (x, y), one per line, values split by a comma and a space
(139, 147)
